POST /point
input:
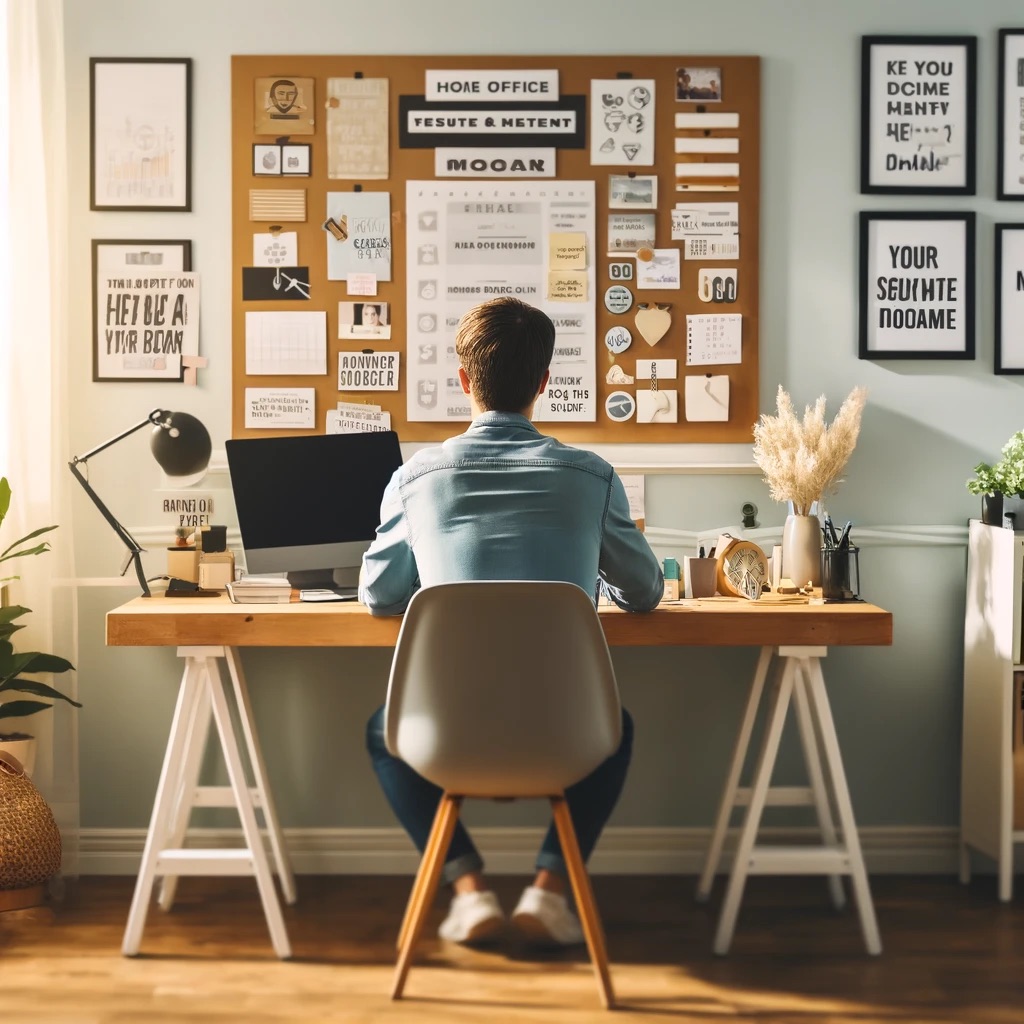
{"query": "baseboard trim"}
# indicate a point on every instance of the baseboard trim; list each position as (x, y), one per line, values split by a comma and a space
(622, 851)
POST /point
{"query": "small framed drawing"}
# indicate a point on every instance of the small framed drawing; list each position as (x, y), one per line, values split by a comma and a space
(917, 109)
(139, 138)
(1010, 132)
(1009, 299)
(129, 280)
(916, 285)
(291, 160)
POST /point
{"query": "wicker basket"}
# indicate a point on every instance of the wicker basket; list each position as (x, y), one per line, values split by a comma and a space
(29, 837)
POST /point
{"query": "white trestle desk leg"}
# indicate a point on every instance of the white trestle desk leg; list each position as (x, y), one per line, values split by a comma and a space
(809, 740)
(830, 743)
(195, 745)
(259, 771)
(163, 804)
(758, 796)
(259, 865)
(725, 807)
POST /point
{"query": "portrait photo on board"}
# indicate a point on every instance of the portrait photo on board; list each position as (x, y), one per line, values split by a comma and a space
(363, 320)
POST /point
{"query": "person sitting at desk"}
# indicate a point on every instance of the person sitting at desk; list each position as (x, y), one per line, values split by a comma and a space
(504, 502)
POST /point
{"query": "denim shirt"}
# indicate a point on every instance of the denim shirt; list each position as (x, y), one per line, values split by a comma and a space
(504, 502)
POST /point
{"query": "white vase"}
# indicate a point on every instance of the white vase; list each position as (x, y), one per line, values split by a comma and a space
(24, 750)
(801, 550)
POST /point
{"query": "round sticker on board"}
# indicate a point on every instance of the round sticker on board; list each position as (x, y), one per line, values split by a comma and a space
(620, 405)
(617, 339)
(618, 299)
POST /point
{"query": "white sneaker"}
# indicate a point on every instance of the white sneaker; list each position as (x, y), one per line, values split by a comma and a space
(472, 917)
(545, 919)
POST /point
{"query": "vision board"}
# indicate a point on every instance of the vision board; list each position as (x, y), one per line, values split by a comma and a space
(376, 199)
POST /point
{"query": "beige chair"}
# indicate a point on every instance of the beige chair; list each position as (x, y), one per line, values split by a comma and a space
(502, 689)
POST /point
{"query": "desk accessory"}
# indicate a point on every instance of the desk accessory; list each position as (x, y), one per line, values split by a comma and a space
(216, 563)
(181, 446)
(701, 576)
(259, 590)
(670, 570)
(741, 569)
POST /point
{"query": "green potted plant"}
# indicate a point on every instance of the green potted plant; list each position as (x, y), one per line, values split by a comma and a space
(15, 666)
(994, 482)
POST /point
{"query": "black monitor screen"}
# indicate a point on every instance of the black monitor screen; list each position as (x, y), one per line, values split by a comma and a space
(310, 502)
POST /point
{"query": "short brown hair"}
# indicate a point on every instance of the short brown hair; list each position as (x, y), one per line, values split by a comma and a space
(505, 347)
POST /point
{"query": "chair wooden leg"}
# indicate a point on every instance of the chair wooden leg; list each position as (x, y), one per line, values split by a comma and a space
(419, 881)
(423, 895)
(584, 894)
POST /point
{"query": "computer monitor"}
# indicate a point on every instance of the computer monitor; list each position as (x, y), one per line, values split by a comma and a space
(309, 506)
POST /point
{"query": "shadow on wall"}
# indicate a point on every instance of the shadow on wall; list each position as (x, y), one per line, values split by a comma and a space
(905, 471)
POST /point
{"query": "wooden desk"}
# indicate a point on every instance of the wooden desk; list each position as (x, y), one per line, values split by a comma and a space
(793, 636)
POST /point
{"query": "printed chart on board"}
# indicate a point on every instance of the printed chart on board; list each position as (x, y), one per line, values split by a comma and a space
(471, 241)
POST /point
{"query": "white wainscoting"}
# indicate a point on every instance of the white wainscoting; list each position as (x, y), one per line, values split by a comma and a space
(622, 851)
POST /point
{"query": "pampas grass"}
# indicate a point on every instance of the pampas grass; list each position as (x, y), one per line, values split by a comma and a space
(801, 460)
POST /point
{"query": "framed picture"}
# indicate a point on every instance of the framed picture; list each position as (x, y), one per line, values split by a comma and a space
(917, 108)
(139, 138)
(124, 272)
(1009, 357)
(916, 285)
(291, 160)
(1010, 132)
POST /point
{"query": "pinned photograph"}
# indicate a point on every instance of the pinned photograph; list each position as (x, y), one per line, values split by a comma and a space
(699, 85)
(632, 192)
(283, 106)
(363, 320)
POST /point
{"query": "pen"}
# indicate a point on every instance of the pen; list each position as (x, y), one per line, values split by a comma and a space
(844, 540)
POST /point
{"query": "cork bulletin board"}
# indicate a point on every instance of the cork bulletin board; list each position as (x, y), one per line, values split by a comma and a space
(683, 191)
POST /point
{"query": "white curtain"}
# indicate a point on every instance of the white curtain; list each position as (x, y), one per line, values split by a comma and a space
(33, 406)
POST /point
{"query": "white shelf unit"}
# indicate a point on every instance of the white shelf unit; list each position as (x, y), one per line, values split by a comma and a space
(992, 653)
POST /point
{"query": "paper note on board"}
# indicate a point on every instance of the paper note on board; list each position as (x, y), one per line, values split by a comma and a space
(286, 343)
(567, 287)
(280, 250)
(272, 408)
(568, 250)
(707, 398)
(633, 484)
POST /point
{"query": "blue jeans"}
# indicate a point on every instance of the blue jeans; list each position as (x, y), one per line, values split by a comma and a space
(414, 801)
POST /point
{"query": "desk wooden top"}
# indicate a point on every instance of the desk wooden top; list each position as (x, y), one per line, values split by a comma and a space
(717, 622)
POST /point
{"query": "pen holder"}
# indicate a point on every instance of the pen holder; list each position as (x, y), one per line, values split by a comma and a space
(701, 577)
(839, 568)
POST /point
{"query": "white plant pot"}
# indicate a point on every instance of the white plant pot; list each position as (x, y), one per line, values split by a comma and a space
(24, 751)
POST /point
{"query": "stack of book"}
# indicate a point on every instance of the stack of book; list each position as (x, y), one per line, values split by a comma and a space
(260, 590)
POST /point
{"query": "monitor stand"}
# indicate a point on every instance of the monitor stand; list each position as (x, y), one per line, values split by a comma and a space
(342, 581)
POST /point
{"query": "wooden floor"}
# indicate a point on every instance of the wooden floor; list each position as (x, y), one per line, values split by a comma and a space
(952, 953)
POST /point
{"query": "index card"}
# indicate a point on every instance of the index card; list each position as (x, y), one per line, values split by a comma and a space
(704, 121)
(567, 286)
(280, 407)
(286, 343)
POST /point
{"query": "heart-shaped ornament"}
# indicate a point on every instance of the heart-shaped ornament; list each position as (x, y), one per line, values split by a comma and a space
(653, 323)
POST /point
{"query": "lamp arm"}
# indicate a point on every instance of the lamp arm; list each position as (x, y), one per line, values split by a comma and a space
(153, 419)
(134, 548)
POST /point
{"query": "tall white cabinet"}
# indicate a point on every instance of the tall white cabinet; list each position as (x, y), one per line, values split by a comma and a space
(992, 653)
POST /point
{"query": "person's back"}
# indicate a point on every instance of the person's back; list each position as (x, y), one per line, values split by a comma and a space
(504, 502)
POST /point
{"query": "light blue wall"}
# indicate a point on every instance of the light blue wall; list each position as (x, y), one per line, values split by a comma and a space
(925, 426)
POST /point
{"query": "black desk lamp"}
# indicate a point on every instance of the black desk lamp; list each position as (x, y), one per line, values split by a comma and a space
(181, 445)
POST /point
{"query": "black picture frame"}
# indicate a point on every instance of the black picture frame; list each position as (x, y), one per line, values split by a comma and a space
(1010, 123)
(920, 117)
(181, 247)
(954, 262)
(1009, 281)
(140, 133)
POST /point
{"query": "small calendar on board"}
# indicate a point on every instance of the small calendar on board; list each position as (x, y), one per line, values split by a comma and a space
(714, 339)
